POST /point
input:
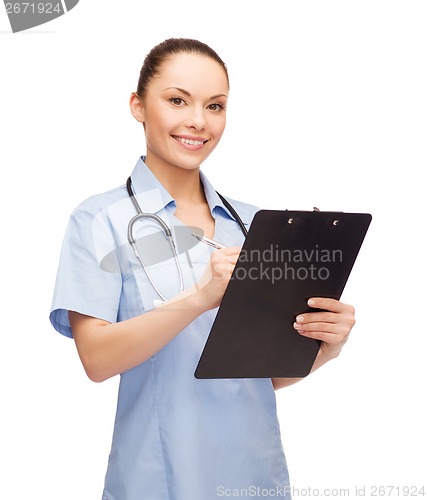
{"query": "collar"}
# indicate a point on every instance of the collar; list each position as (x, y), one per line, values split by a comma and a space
(212, 198)
(153, 196)
(149, 191)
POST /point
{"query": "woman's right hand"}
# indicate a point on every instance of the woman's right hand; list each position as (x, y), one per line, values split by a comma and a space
(107, 349)
(216, 277)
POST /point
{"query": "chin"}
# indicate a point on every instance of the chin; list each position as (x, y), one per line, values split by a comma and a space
(189, 163)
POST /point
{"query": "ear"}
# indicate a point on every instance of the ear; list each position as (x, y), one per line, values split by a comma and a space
(137, 107)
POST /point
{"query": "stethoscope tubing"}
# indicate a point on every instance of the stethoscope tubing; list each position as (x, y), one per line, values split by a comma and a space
(167, 232)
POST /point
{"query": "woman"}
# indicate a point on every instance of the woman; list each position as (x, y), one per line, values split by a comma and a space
(175, 437)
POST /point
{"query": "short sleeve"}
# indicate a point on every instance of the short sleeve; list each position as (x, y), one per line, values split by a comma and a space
(82, 284)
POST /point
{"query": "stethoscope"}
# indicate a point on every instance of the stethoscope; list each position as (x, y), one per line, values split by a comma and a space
(140, 216)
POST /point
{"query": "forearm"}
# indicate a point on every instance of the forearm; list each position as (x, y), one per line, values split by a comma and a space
(108, 349)
(321, 359)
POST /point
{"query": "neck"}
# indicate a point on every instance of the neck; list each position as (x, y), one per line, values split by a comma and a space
(182, 184)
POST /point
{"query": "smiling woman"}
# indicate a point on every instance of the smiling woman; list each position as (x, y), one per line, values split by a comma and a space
(187, 117)
(175, 437)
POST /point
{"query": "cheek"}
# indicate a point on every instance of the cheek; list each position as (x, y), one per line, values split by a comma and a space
(160, 118)
(217, 126)
(157, 127)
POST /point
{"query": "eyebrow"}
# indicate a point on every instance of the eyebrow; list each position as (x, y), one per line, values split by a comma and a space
(185, 92)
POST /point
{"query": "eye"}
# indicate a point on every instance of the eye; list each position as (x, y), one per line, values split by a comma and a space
(216, 106)
(177, 101)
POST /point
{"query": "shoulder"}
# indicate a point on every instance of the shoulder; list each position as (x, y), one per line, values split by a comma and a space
(98, 203)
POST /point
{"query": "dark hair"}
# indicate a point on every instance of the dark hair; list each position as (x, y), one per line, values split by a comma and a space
(170, 47)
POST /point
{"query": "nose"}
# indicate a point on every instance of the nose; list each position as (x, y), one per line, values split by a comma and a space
(196, 119)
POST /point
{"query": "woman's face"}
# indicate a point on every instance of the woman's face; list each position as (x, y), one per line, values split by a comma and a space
(184, 111)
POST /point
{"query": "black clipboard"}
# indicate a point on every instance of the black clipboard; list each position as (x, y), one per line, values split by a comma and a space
(287, 257)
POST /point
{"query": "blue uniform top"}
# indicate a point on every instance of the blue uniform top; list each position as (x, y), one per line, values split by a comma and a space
(175, 437)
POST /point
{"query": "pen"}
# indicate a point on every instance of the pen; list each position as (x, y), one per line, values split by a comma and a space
(208, 241)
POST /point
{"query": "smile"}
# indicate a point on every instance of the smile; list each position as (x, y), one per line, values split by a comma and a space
(190, 142)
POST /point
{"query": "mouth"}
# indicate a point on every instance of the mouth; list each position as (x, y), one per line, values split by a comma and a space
(190, 143)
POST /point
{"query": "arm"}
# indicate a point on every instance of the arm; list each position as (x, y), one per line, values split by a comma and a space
(331, 326)
(107, 349)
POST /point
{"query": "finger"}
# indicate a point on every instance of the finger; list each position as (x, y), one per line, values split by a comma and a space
(232, 259)
(332, 339)
(229, 250)
(333, 328)
(324, 317)
(223, 271)
(328, 304)
(223, 255)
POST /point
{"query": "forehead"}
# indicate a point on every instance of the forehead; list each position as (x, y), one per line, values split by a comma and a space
(193, 72)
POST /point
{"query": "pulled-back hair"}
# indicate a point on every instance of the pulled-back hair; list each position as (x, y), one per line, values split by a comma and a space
(170, 47)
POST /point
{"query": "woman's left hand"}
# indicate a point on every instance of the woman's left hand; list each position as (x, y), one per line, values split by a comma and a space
(331, 326)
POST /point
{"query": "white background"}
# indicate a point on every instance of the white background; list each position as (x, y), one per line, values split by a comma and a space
(328, 108)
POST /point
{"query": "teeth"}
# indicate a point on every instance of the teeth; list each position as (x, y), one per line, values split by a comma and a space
(189, 141)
